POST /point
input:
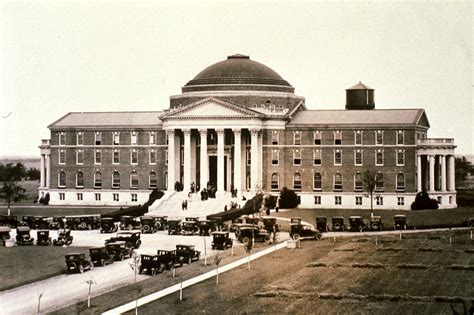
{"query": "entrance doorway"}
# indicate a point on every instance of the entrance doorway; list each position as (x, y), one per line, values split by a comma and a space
(213, 170)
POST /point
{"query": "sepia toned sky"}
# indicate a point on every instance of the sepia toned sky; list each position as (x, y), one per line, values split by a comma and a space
(63, 56)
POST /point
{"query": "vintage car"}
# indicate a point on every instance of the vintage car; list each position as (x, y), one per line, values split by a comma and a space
(187, 253)
(174, 227)
(56, 223)
(128, 222)
(469, 221)
(149, 224)
(77, 262)
(218, 223)
(322, 224)
(375, 223)
(400, 222)
(169, 258)
(338, 224)
(189, 227)
(100, 256)
(9, 220)
(40, 223)
(357, 223)
(5, 233)
(43, 238)
(191, 219)
(64, 238)
(107, 225)
(83, 222)
(131, 238)
(269, 224)
(162, 223)
(27, 220)
(304, 231)
(248, 233)
(221, 240)
(295, 220)
(154, 264)
(119, 250)
(206, 227)
(23, 236)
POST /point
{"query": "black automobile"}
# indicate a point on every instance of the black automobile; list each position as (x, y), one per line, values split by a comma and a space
(149, 224)
(247, 233)
(162, 223)
(77, 262)
(206, 227)
(27, 220)
(269, 224)
(187, 253)
(357, 223)
(169, 258)
(40, 223)
(100, 256)
(151, 265)
(400, 222)
(107, 225)
(174, 227)
(9, 220)
(191, 219)
(56, 223)
(128, 222)
(64, 238)
(189, 227)
(218, 223)
(88, 222)
(23, 236)
(221, 240)
(338, 224)
(131, 238)
(304, 231)
(43, 238)
(5, 233)
(376, 223)
(322, 224)
(119, 250)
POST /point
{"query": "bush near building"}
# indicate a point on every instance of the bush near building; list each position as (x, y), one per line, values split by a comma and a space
(137, 211)
(288, 199)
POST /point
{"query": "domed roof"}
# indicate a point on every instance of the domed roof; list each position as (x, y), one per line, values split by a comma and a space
(238, 72)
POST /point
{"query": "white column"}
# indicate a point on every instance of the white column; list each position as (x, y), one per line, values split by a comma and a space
(220, 160)
(432, 173)
(443, 172)
(42, 171)
(48, 170)
(187, 160)
(237, 159)
(171, 159)
(254, 156)
(418, 174)
(204, 160)
(451, 173)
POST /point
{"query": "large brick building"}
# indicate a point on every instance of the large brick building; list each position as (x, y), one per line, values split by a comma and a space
(238, 124)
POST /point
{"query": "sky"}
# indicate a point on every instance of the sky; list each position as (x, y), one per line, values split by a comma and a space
(63, 56)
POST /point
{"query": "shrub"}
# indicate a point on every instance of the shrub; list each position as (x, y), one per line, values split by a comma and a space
(288, 199)
(423, 201)
(250, 207)
(139, 210)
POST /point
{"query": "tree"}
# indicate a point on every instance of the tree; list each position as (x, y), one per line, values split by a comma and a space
(288, 199)
(33, 173)
(463, 168)
(10, 175)
(370, 182)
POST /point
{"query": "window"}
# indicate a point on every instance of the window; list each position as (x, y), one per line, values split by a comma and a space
(379, 157)
(400, 157)
(358, 137)
(338, 200)
(450, 199)
(153, 180)
(400, 137)
(134, 156)
(80, 138)
(116, 197)
(400, 201)
(62, 156)
(400, 182)
(166, 180)
(358, 157)
(62, 196)
(152, 156)
(275, 137)
(249, 157)
(338, 157)
(379, 182)
(98, 138)
(79, 196)
(379, 201)
(275, 184)
(80, 157)
(337, 137)
(79, 179)
(317, 200)
(134, 139)
(297, 137)
(317, 157)
(275, 157)
(115, 179)
(317, 138)
(358, 182)
(98, 157)
(62, 138)
(379, 137)
(134, 197)
(97, 180)
(166, 157)
(152, 137)
(116, 138)
(116, 157)
(358, 200)
(337, 182)
(62, 179)
(97, 196)
(297, 181)
(317, 182)
(134, 180)
(296, 157)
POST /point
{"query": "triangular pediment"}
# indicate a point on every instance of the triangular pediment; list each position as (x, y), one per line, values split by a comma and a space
(211, 107)
(423, 120)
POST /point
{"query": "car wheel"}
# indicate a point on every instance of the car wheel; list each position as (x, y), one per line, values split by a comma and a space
(319, 236)
(153, 271)
(237, 233)
(375, 226)
(267, 238)
(295, 237)
(91, 266)
(245, 240)
(129, 227)
(162, 268)
(102, 262)
(190, 260)
(54, 242)
(120, 256)
(83, 225)
(146, 228)
(336, 227)
(81, 268)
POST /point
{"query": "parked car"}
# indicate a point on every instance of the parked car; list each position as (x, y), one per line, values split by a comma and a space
(248, 233)
(100, 256)
(107, 225)
(43, 238)
(128, 222)
(131, 238)
(295, 220)
(40, 223)
(23, 236)
(169, 258)
(189, 227)
(304, 231)
(376, 223)
(187, 253)
(149, 224)
(191, 219)
(56, 223)
(469, 221)
(5, 233)
(174, 227)
(150, 264)
(338, 224)
(206, 227)
(77, 262)
(83, 222)
(400, 222)
(27, 220)
(162, 223)
(218, 223)
(322, 224)
(9, 220)
(269, 224)
(64, 238)
(119, 250)
(357, 223)
(221, 240)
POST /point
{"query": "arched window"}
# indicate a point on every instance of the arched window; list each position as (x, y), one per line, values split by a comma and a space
(133, 179)
(400, 182)
(275, 184)
(115, 179)
(153, 180)
(79, 179)
(62, 179)
(317, 181)
(97, 180)
(337, 182)
(297, 181)
(379, 182)
(358, 182)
